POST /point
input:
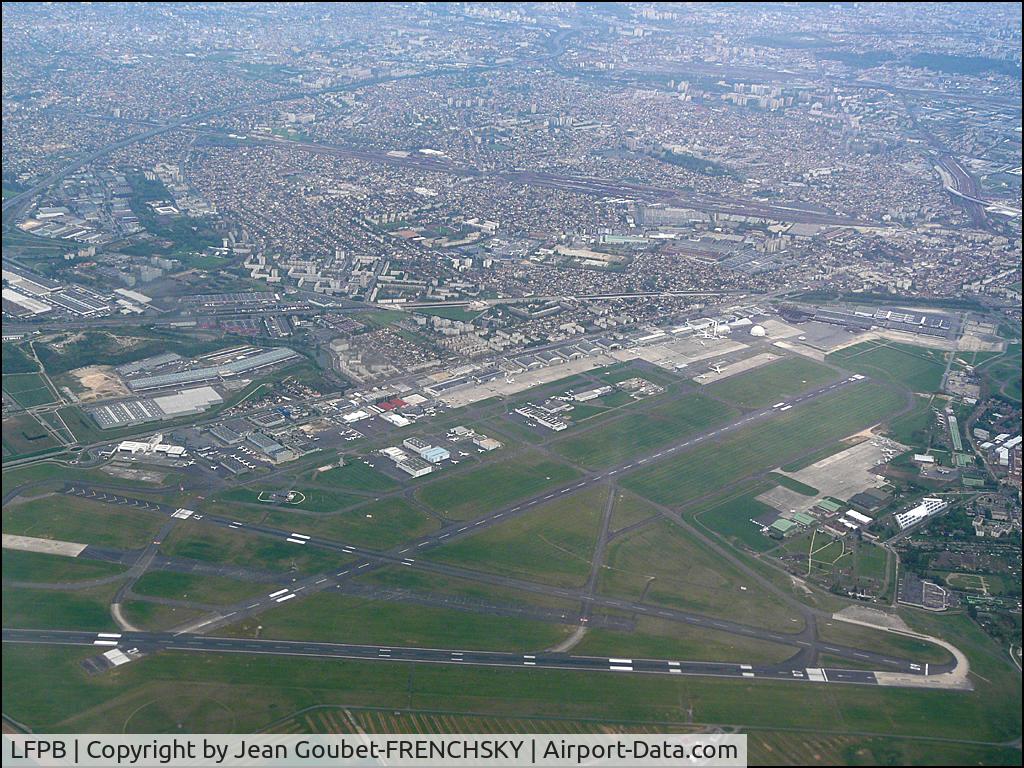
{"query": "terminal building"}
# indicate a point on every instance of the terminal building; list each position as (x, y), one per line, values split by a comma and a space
(154, 446)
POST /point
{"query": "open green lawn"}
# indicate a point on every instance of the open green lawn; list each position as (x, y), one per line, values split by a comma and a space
(660, 639)
(45, 568)
(72, 518)
(788, 748)
(917, 368)
(214, 545)
(793, 484)
(1003, 374)
(380, 525)
(912, 428)
(509, 431)
(28, 389)
(637, 434)
(312, 499)
(201, 589)
(24, 436)
(629, 509)
(553, 543)
(51, 475)
(156, 617)
(354, 476)
(770, 383)
(16, 359)
(664, 565)
(714, 465)
(340, 618)
(879, 641)
(413, 580)
(493, 485)
(731, 518)
(870, 562)
(86, 609)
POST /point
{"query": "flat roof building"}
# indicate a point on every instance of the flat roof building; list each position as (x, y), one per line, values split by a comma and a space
(415, 467)
(435, 454)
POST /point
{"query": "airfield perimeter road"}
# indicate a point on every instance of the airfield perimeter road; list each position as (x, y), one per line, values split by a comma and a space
(806, 642)
(156, 641)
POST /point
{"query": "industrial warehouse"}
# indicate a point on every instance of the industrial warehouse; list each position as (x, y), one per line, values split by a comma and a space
(246, 361)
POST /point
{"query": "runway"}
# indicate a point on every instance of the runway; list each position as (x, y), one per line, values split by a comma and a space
(355, 561)
(360, 560)
(148, 642)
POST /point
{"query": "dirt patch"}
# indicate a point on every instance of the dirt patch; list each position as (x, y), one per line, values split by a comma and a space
(139, 475)
(46, 546)
(970, 342)
(860, 614)
(98, 382)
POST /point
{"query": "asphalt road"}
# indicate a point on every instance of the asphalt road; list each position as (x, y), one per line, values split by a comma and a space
(156, 641)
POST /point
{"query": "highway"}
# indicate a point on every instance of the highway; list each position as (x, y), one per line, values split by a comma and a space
(148, 642)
